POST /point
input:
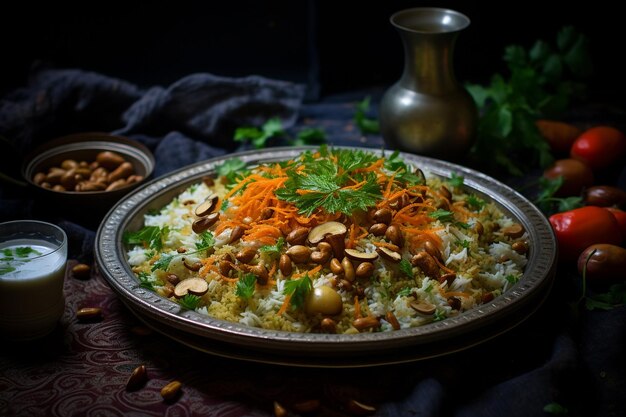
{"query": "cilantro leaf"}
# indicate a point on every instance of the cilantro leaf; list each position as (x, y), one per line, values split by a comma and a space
(442, 215)
(404, 172)
(475, 203)
(232, 169)
(206, 241)
(259, 137)
(456, 180)
(163, 263)
(440, 315)
(512, 279)
(145, 281)
(549, 204)
(151, 236)
(365, 124)
(6, 269)
(298, 289)
(24, 251)
(246, 286)
(406, 268)
(274, 249)
(404, 292)
(309, 136)
(189, 301)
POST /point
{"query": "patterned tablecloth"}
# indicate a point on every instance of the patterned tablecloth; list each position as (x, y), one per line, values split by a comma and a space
(560, 356)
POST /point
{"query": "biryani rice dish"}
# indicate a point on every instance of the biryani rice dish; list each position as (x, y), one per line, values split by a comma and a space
(335, 241)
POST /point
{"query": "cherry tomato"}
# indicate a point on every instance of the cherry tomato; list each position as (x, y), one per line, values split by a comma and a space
(576, 176)
(605, 196)
(620, 216)
(603, 262)
(559, 135)
(599, 147)
(579, 228)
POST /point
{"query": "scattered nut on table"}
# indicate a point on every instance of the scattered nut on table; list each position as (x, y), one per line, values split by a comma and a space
(170, 391)
(89, 314)
(81, 271)
(137, 378)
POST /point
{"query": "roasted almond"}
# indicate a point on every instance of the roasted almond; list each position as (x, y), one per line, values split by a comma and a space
(171, 391)
(137, 378)
(81, 271)
(89, 314)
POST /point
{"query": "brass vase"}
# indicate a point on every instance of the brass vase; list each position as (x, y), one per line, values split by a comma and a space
(427, 111)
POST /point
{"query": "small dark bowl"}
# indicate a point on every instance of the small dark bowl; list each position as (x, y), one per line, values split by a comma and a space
(85, 147)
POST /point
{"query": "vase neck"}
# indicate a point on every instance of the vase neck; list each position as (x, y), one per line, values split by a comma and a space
(428, 66)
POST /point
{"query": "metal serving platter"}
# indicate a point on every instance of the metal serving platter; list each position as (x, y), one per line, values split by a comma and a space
(304, 349)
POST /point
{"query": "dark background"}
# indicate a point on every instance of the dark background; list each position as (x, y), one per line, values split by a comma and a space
(332, 46)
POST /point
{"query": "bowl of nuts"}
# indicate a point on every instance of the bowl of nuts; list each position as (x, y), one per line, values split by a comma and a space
(88, 170)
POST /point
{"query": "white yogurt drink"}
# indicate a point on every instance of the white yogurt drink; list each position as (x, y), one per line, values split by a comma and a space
(33, 256)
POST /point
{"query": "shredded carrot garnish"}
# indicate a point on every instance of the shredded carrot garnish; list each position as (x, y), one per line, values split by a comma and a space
(442, 266)
(386, 245)
(310, 272)
(285, 305)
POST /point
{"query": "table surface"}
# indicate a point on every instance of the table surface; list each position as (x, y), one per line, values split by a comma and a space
(560, 354)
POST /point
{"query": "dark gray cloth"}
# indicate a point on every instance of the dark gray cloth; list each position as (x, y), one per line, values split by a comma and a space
(192, 120)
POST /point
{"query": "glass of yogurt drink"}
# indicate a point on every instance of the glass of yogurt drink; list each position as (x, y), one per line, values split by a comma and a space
(33, 255)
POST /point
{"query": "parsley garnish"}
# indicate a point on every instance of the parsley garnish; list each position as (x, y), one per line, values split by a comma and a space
(273, 250)
(475, 203)
(512, 279)
(298, 289)
(151, 236)
(442, 215)
(246, 286)
(145, 281)
(404, 172)
(206, 241)
(440, 315)
(259, 137)
(233, 170)
(328, 184)
(406, 268)
(404, 292)
(163, 263)
(189, 301)
(446, 216)
(309, 136)
(365, 124)
(456, 180)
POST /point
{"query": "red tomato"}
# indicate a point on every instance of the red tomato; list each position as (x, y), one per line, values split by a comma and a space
(576, 176)
(599, 147)
(579, 228)
(620, 216)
